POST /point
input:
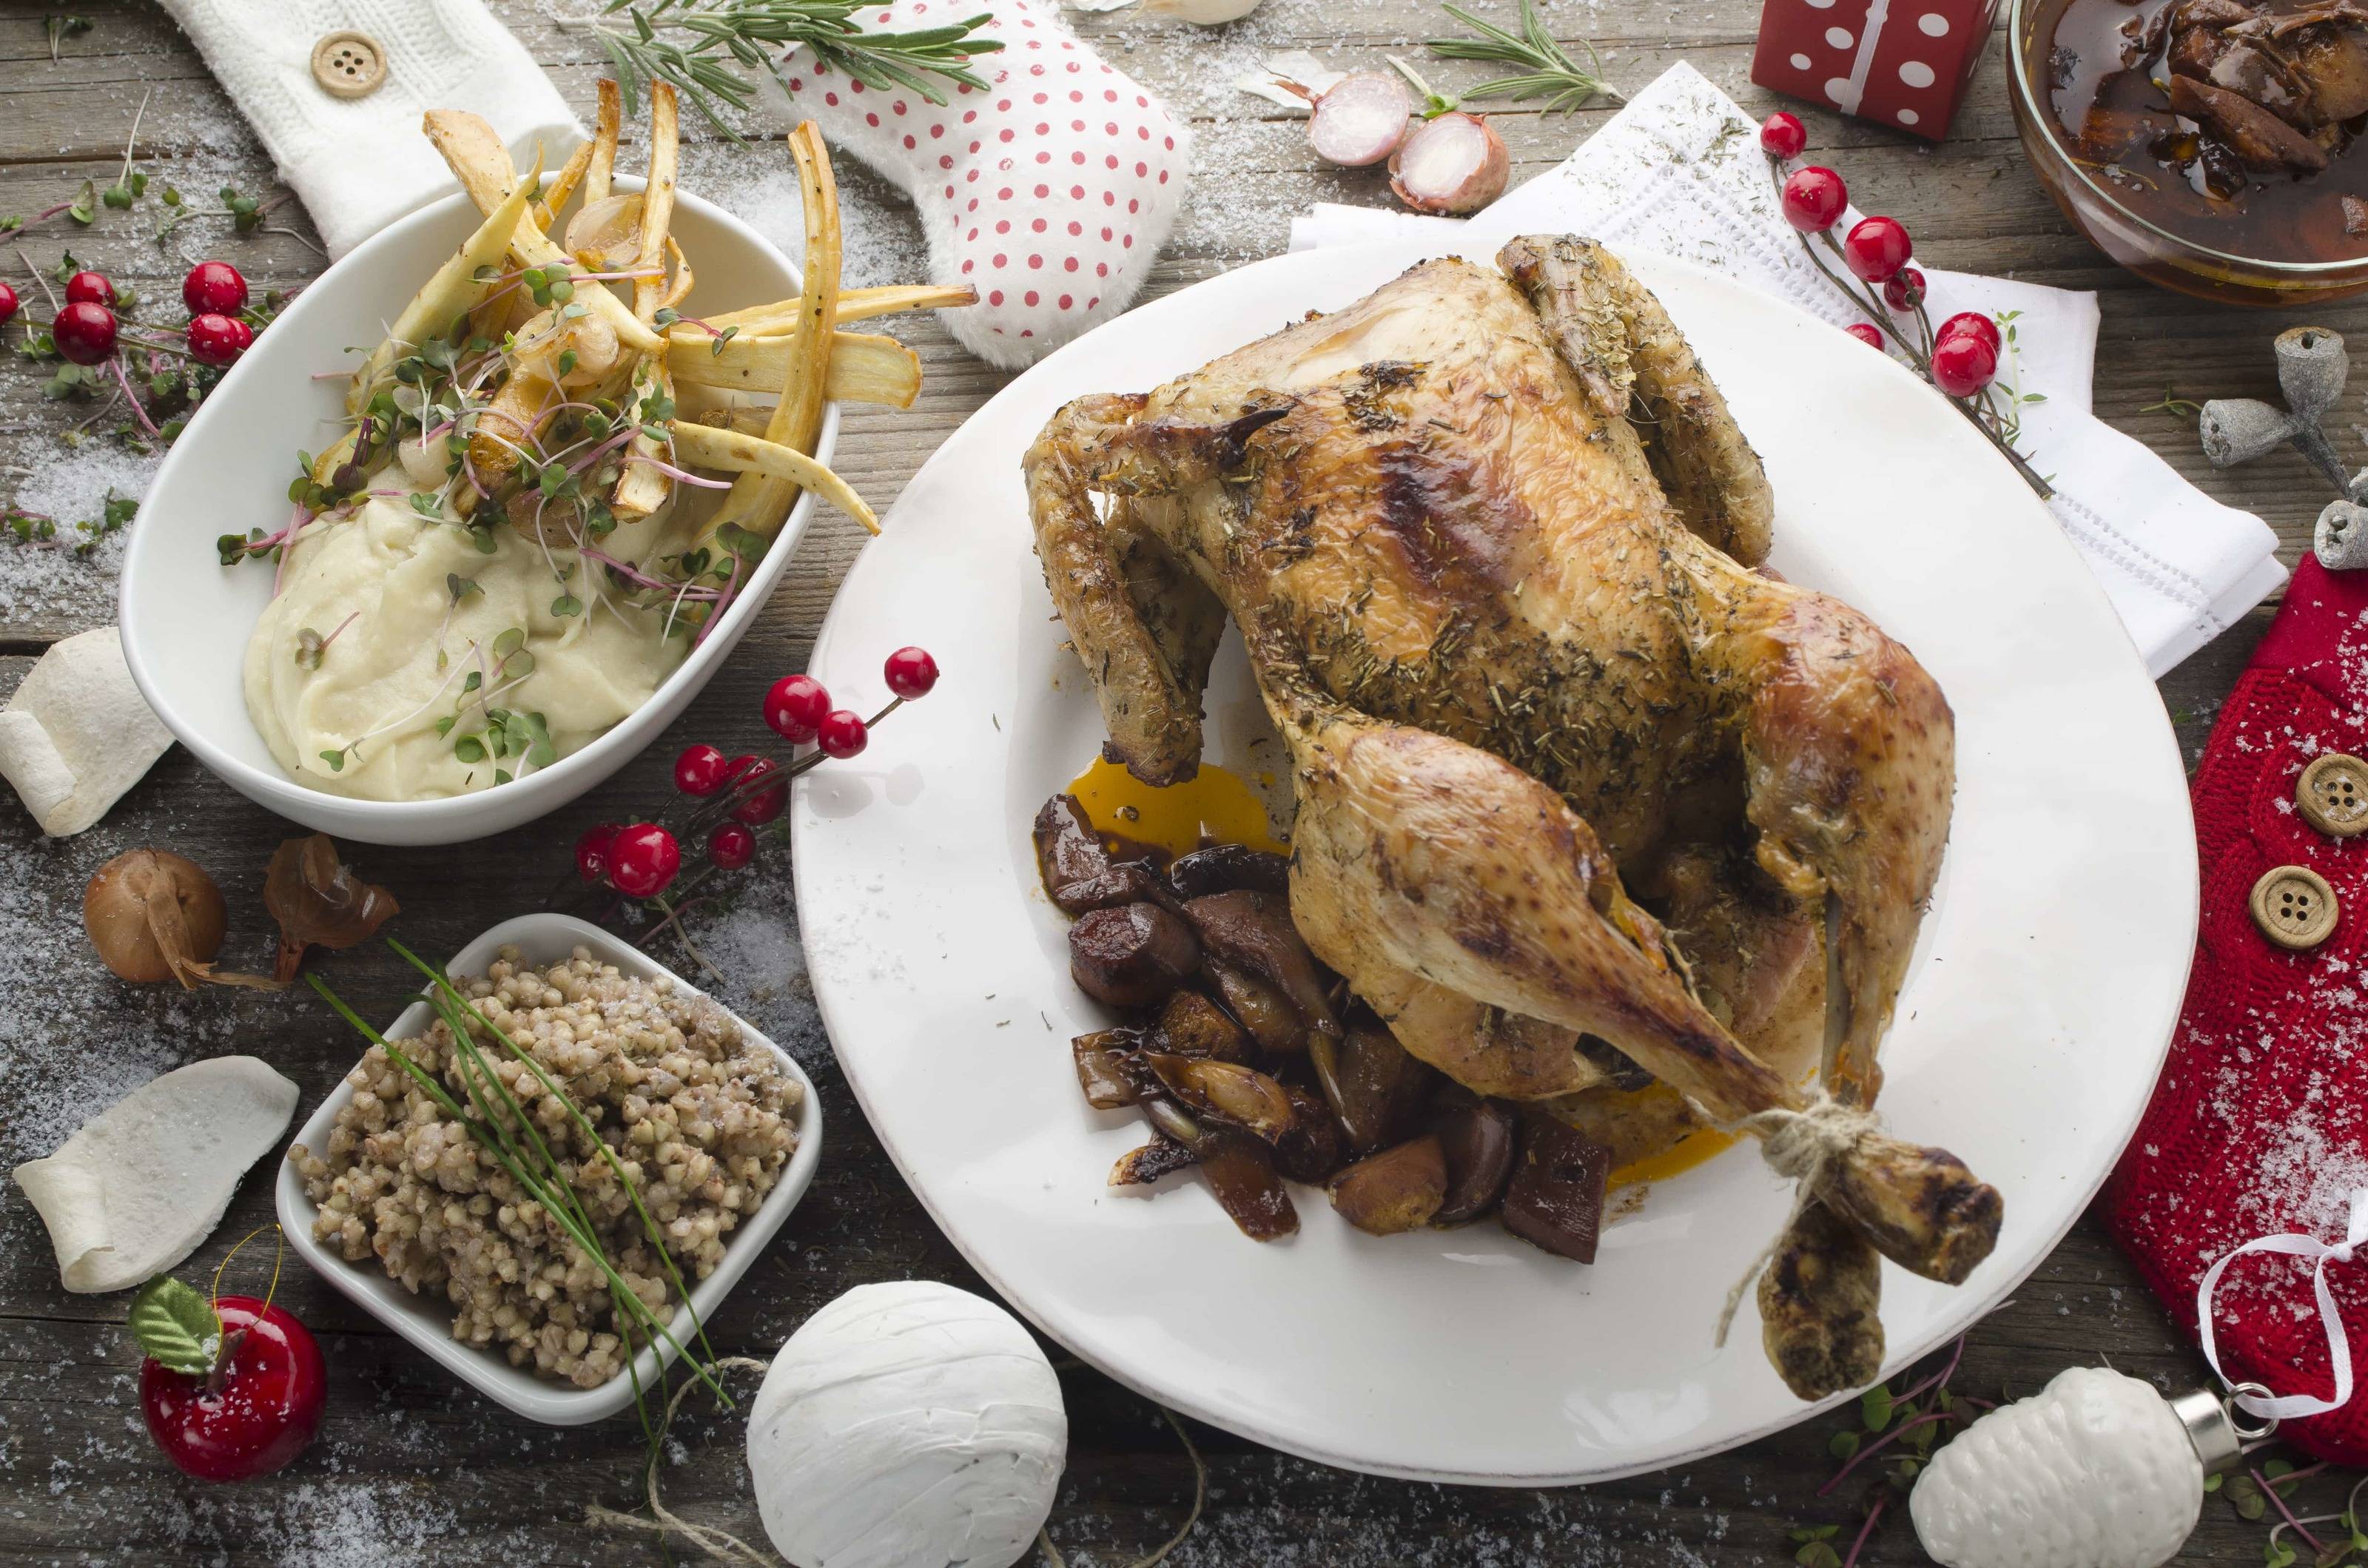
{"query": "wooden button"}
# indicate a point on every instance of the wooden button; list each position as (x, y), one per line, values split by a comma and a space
(2293, 907)
(349, 65)
(2333, 795)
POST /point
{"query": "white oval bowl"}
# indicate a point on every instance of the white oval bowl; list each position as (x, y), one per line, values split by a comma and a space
(427, 1321)
(186, 617)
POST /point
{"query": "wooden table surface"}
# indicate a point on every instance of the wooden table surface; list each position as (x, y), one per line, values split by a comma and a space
(412, 1468)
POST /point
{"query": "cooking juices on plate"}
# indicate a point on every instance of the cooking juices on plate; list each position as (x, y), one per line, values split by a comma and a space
(2230, 123)
(554, 482)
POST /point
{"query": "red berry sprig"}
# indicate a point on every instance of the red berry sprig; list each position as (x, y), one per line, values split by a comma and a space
(722, 800)
(1961, 360)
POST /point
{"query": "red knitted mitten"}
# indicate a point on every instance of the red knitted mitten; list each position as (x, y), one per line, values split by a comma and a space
(2260, 1124)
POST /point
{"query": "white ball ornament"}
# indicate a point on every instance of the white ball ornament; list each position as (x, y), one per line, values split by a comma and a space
(2095, 1470)
(907, 1426)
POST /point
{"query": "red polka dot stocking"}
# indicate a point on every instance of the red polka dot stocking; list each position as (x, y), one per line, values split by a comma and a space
(1050, 192)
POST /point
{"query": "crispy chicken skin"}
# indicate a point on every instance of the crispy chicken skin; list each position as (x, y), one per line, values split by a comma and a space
(1566, 763)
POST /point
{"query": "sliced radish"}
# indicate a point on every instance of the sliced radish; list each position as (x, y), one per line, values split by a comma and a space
(1450, 165)
(1360, 120)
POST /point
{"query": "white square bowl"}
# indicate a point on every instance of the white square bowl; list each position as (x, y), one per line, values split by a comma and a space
(187, 617)
(425, 1320)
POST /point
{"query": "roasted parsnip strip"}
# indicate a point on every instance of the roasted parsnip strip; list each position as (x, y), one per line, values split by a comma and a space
(657, 200)
(855, 305)
(864, 367)
(562, 185)
(678, 279)
(507, 424)
(760, 503)
(453, 290)
(328, 463)
(705, 446)
(642, 489)
(474, 152)
(602, 167)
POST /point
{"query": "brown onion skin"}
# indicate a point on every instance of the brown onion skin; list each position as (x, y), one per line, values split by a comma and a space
(115, 913)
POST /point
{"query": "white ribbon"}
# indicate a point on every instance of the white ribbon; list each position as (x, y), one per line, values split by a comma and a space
(2338, 1350)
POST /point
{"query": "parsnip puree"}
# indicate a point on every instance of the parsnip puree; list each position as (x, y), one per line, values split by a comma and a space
(402, 662)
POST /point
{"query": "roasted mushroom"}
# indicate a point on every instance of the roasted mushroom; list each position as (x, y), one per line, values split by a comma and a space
(1555, 1198)
(1132, 956)
(1397, 1189)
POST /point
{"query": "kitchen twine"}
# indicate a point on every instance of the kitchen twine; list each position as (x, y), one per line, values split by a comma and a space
(2286, 1407)
(1802, 1144)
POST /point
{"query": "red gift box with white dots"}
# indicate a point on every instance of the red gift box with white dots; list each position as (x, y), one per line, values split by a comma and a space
(1904, 62)
(1049, 192)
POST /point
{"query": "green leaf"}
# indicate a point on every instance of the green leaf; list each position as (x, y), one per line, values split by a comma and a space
(566, 605)
(2211, 1482)
(1843, 1445)
(177, 1327)
(470, 749)
(510, 641)
(1875, 1408)
(336, 759)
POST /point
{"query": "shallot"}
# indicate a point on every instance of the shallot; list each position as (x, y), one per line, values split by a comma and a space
(155, 915)
(1359, 119)
(1450, 165)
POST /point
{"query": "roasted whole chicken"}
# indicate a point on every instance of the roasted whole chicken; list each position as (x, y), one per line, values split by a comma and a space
(1579, 790)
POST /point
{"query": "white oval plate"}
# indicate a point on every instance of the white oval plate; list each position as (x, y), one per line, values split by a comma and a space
(2027, 1040)
(426, 1320)
(187, 617)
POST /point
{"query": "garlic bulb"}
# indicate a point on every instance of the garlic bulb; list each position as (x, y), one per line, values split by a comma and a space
(2094, 1470)
(908, 1423)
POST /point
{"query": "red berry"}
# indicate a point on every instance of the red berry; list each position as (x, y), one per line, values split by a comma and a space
(1866, 332)
(1970, 324)
(699, 771)
(1814, 197)
(7, 304)
(643, 860)
(731, 847)
(794, 707)
(1962, 365)
(218, 339)
(1904, 290)
(592, 851)
(90, 289)
(911, 673)
(1781, 135)
(85, 333)
(213, 286)
(255, 1412)
(843, 733)
(766, 804)
(1876, 248)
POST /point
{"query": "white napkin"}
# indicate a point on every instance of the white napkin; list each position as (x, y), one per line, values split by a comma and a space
(359, 164)
(1680, 171)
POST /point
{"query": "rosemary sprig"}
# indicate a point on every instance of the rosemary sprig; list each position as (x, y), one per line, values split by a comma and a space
(1546, 72)
(709, 50)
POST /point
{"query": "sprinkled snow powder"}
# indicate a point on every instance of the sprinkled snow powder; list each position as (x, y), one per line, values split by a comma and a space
(753, 941)
(880, 237)
(72, 485)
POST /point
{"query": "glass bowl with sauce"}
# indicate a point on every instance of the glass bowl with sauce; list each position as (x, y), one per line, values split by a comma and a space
(2213, 147)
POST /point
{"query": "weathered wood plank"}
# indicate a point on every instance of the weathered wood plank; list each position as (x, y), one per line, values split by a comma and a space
(425, 1472)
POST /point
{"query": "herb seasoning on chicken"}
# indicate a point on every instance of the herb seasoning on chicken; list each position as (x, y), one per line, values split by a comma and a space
(1578, 788)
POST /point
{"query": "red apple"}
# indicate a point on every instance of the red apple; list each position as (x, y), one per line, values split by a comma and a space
(255, 1412)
